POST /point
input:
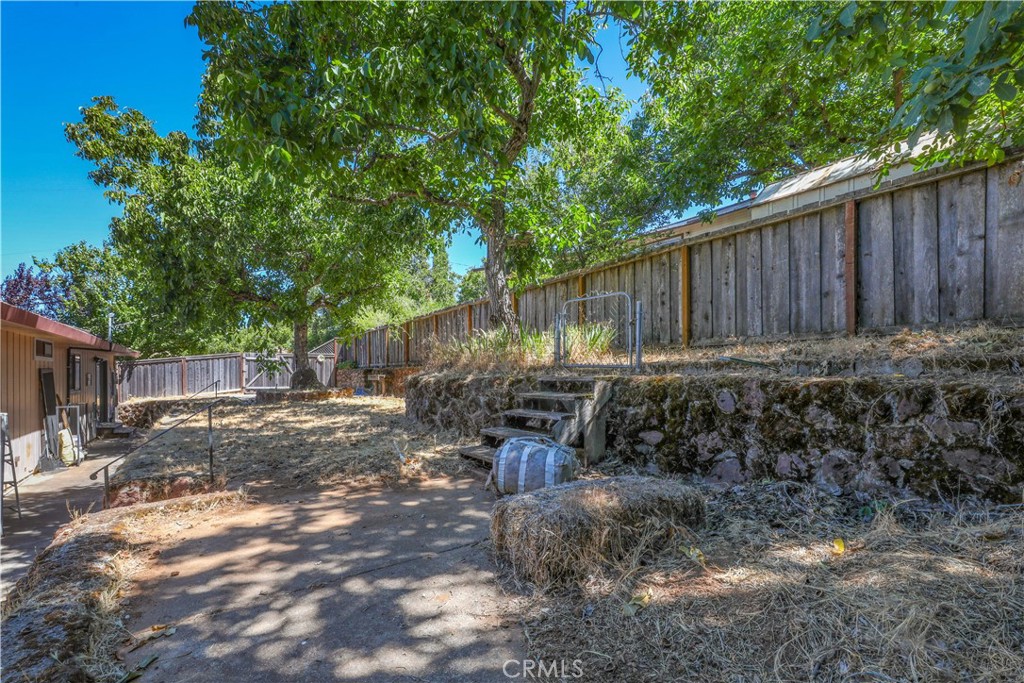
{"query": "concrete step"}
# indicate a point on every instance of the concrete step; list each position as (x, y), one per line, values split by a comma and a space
(480, 453)
(532, 414)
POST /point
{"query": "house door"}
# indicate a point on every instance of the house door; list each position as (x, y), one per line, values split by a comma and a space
(103, 390)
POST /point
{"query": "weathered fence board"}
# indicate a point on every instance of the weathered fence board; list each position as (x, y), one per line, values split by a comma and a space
(723, 292)
(961, 225)
(915, 255)
(875, 270)
(1004, 243)
(833, 276)
(702, 299)
(775, 279)
(748, 284)
(805, 274)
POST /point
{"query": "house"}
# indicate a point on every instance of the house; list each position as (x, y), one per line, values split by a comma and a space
(44, 362)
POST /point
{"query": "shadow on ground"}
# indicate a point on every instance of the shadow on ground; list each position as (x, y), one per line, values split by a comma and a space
(347, 584)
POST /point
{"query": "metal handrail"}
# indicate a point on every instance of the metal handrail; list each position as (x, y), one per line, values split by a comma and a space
(208, 409)
(215, 384)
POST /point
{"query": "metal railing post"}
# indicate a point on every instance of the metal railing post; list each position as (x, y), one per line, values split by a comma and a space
(209, 434)
(639, 334)
(106, 487)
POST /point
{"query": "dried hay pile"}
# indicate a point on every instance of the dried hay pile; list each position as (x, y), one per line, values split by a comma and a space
(63, 620)
(788, 583)
(298, 444)
(570, 532)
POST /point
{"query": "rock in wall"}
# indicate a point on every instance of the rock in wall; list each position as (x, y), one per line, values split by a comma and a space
(465, 403)
(867, 434)
(143, 413)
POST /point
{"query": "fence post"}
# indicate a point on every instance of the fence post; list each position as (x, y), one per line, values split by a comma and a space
(184, 377)
(387, 347)
(684, 294)
(405, 341)
(469, 320)
(241, 371)
(581, 309)
(850, 267)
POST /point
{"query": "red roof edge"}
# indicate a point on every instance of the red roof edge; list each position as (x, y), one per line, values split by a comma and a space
(19, 316)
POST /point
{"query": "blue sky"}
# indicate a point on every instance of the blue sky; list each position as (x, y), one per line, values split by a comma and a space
(56, 56)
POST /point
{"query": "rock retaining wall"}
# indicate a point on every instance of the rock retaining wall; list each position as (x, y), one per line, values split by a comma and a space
(286, 395)
(867, 434)
(874, 435)
(143, 413)
(464, 403)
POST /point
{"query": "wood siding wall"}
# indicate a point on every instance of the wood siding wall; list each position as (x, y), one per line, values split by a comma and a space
(20, 394)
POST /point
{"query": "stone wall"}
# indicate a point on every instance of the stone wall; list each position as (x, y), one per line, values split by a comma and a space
(464, 403)
(143, 413)
(874, 435)
(291, 395)
(394, 382)
(868, 434)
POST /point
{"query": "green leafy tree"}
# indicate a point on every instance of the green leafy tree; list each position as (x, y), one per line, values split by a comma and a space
(222, 247)
(738, 101)
(957, 69)
(472, 286)
(434, 105)
(583, 204)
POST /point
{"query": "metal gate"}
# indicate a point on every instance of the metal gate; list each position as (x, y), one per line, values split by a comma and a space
(600, 331)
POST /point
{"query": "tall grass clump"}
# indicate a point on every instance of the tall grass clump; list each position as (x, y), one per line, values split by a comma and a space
(589, 341)
(496, 349)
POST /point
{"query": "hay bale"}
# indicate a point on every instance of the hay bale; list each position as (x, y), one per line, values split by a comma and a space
(568, 532)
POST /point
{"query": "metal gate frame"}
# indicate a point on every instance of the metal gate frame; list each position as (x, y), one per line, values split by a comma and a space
(634, 338)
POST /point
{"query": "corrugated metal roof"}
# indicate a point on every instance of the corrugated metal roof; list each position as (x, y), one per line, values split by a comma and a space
(817, 185)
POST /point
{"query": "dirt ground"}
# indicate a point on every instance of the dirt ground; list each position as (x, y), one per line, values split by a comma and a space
(786, 582)
(368, 584)
(300, 444)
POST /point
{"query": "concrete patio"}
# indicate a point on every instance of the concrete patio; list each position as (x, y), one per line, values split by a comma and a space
(47, 502)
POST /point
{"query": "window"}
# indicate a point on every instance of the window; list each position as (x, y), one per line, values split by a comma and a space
(74, 372)
(44, 349)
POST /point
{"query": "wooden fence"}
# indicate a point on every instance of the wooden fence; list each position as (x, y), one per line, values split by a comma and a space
(938, 247)
(185, 375)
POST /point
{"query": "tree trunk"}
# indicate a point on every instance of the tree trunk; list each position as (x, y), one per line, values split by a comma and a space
(503, 311)
(304, 376)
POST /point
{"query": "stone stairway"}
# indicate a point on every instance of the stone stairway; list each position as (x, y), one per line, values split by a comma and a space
(570, 410)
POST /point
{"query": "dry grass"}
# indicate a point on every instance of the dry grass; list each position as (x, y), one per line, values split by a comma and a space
(63, 620)
(969, 348)
(570, 532)
(920, 593)
(300, 444)
(966, 347)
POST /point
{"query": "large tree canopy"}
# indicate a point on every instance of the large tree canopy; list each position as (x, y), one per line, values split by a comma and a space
(222, 246)
(738, 100)
(958, 68)
(743, 94)
(436, 105)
